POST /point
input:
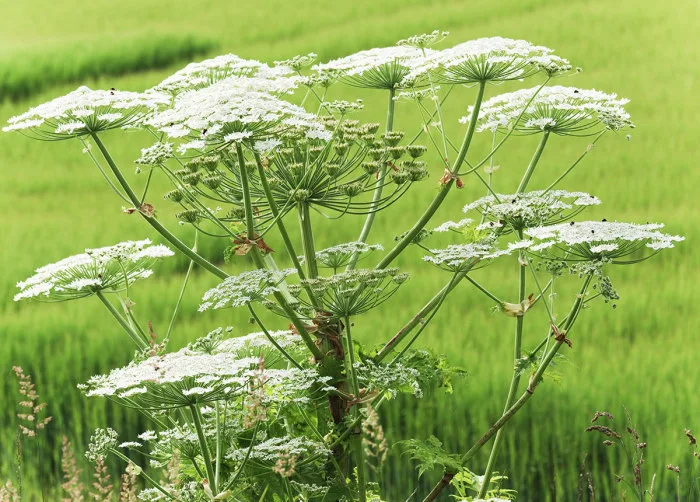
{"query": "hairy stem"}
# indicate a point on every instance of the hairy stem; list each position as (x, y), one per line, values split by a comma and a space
(357, 438)
(439, 487)
(247, 202)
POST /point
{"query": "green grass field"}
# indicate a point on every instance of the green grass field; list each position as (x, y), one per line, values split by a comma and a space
(641, 356)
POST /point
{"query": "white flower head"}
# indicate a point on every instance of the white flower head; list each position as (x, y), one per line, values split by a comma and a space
(267, 146)
(101, 443)
(107, 268)
(259, 76)
(424, 40)
(200, 374)
(228, 111)
(379, 68)
(339, 255)
(454, 226)
(600, 240)
(238, 290)
(488, 59)
(253, 343)
(557, 109)
(155, 154)
(270, 449)
(86, 111)
(297, 62)
(464, 257)
(530, 209)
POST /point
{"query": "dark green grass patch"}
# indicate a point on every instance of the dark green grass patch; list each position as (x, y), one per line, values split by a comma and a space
(27, 72)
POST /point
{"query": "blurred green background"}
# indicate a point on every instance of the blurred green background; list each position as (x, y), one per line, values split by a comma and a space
(641, 356)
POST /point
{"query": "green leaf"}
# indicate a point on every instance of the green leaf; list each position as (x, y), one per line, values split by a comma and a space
(430, 455)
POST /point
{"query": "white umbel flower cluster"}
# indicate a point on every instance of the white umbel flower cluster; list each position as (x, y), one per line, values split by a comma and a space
(238, 290)
(101, 442)
(531, 209)
(86, 111)
(269, 450)
(464, 257)
(229, 111)
(600, 240)
(155, 154)
(191, 376)
(190, 369)
(453, 226)
(383, 68)
(339, 255)
(253, 343)
(487, 59)
(558, 109)
(112, 267)
(204, 73)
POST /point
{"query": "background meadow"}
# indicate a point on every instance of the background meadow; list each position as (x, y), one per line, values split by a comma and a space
(642, 355)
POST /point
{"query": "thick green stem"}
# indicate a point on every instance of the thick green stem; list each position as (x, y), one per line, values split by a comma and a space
(247, 202)
(534, 380)
(167, 235)
(350, 354)
(258, 260)
(205, 449)
(444, 189)
(137, 339)
(515, 381)
(533, 163)
(378, 186)
(307, 239)
(217, 469)
(283, 232)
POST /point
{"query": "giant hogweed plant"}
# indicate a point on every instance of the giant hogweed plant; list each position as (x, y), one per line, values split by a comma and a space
(290, 412)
